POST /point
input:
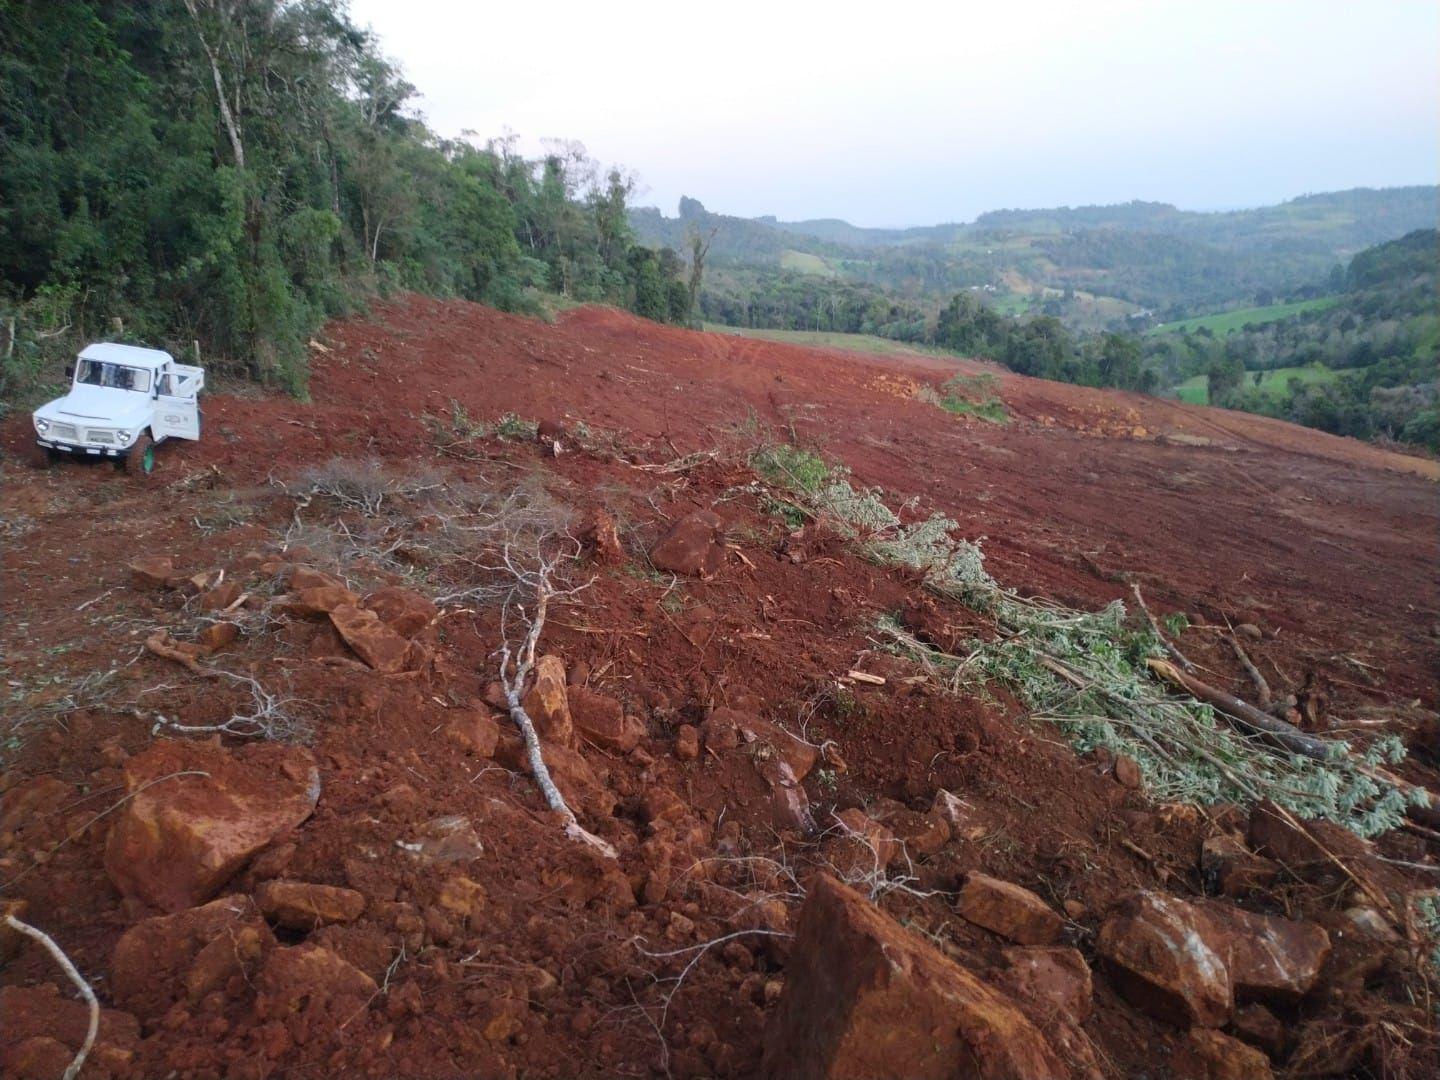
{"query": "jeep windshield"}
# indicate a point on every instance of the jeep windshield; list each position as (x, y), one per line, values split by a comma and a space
(113, 376)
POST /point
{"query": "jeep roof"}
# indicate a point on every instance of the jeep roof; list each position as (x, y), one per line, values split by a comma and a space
(109, 353)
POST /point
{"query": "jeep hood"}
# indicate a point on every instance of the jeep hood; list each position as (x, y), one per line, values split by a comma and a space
(99, 405)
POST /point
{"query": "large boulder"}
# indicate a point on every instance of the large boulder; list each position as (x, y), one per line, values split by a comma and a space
(1188, 963)
(864, 998)
(1009, 910)
(369, 638)
(316, 601)
(1310, 850)
(183, 835)
(1158, 955)
(171, 958)
(1268, 957)
(693, 546)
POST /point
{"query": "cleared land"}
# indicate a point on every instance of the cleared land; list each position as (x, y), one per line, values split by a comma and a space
(1229, 321)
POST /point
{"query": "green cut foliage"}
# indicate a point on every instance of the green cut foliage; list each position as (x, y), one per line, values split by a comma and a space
(1085, 672)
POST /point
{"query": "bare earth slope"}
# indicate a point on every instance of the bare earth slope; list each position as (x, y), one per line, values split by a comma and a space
(427, 917)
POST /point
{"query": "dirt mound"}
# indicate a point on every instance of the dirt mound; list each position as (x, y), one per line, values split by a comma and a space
(713, 704)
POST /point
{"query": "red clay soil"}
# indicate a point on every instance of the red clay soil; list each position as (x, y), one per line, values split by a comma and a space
(1327, 547)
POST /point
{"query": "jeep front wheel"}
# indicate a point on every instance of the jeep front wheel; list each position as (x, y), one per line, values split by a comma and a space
(139, 460)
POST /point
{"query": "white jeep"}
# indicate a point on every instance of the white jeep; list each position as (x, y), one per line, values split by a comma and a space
(122, 402)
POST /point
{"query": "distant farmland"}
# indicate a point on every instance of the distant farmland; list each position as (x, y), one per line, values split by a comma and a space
(1195, 391)
(1227, 321)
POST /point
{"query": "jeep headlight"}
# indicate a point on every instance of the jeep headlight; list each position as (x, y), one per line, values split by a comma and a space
(42, 426)
(122, 435)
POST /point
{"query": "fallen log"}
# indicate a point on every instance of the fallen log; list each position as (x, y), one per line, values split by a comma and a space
(1426, 805)
(1170, 647)
(1243, 714)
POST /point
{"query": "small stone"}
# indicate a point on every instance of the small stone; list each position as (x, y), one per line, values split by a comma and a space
(217, 636)
(1127, 773)
(687, 743)
(477, 731)
(373, 641)
(153, 571)
(1009, 910)
(300, 905)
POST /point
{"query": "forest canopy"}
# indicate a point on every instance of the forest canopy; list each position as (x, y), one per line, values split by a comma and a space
(234, 172)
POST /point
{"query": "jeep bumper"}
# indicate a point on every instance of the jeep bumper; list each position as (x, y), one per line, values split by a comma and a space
(83, 451)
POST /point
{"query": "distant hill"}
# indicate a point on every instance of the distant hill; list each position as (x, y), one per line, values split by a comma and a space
(1093, 266)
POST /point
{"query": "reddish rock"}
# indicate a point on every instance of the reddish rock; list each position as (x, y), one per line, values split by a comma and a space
(578, 782)
(548, 702)
(1127, 772)
(1267, 956)
(858, 848)
(767, 742)
(719, 731)
(172, 958)
(372, 641)
(601, 720)
(153, 572)
(1259, 1027)
(865, 998)
(687, 742)
(1054, 977)
(1209, 1055)
(11, 941)
(179, 840)
(307, 577)
(600, 538)
(474, 729)
(30, 804)
(402, 610)
(789, 805)
(1009, 910)
(1305, 848)
(220, 597)
(964, 820)
(311, 979)
(1157, 953)
(464, 898)
(300, 905)
(693, 546)
(1229, 868)
(449, 839)
(31, 1017)
(923, 834)
(217, 636)
(317, 601)
(661, 804)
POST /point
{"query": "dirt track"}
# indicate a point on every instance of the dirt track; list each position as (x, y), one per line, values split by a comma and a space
(1327, 546)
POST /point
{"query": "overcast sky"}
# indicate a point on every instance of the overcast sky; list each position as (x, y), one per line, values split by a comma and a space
(907, 113)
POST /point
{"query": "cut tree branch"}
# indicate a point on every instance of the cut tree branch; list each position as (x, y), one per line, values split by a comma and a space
(542, 582)
(58, 954)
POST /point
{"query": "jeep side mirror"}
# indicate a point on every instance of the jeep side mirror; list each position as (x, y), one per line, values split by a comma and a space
(70, 371)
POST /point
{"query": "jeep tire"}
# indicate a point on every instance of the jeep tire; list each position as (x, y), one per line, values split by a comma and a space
(139, 460)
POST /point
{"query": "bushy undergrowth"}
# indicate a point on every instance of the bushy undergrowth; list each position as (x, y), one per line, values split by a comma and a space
(1083, 671)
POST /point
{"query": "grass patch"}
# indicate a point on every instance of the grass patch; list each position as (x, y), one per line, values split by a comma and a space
(1227, 322)
(1275, 384)
(968, 395)
(831, 339)
(804, 263)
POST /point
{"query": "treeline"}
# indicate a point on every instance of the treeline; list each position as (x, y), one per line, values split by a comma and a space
(1381, 339)
(235, 172)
